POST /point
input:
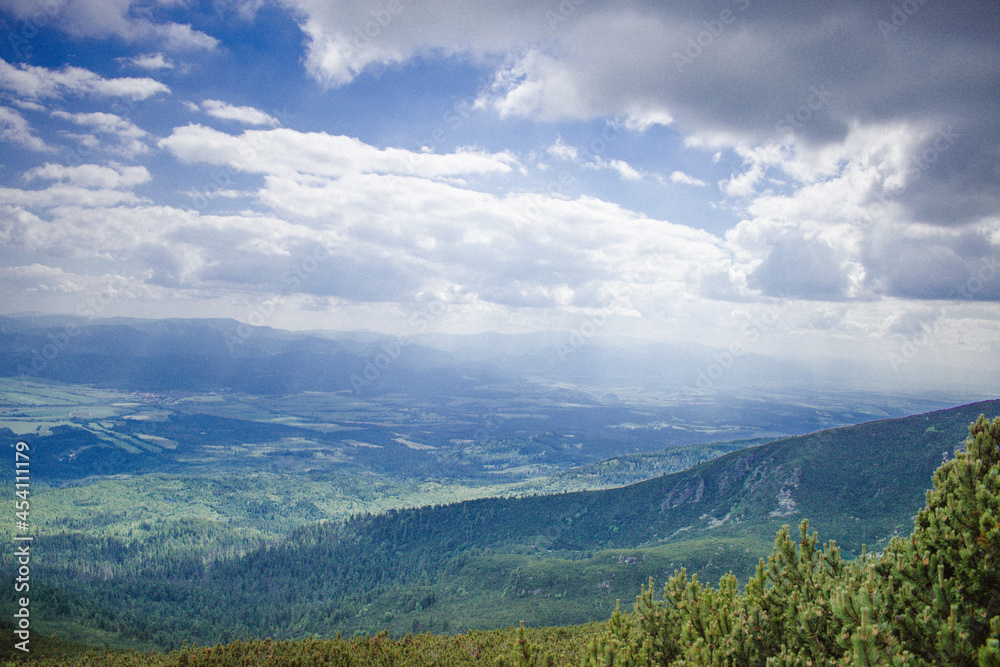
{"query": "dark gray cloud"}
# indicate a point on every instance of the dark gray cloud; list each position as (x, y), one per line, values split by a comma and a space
(940, 61)
(763, 72)
(962, 266)
(800, 268)
(955, 176)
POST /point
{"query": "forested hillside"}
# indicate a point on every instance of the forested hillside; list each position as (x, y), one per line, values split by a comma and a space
(932, 598)
(484, 563)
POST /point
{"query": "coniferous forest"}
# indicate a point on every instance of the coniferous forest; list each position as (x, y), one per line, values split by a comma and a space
(931, 598)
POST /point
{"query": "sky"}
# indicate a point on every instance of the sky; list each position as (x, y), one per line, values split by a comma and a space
(784, 178)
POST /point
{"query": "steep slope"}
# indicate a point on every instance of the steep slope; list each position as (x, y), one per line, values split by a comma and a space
(875, 474)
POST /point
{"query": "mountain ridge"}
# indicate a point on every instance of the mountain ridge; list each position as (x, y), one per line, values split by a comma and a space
(218, 354)
(768, 475)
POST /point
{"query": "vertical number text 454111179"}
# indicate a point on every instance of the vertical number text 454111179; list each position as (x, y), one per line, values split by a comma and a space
(22, 548)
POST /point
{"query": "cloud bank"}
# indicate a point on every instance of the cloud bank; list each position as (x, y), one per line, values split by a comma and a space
(856, 146)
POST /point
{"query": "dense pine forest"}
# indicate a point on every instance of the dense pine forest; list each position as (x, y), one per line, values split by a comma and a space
(930, 598)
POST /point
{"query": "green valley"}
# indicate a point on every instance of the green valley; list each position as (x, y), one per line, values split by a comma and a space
(478, 564)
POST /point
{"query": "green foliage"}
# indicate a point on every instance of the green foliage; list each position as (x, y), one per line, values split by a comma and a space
(943, 582)
(472, 649)
(930, 599)
(784, 610)
(632, 468)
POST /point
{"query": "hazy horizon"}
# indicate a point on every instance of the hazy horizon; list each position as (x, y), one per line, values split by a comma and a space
(654, 372)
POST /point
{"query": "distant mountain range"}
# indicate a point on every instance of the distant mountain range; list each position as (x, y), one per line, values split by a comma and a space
(173, 355)
(226, 355)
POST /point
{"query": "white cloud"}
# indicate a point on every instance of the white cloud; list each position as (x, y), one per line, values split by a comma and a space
(17, 225)
(107, 123)
(563, 151)
(100, 19)
(642, 120)
(836, 231)
(403, 228)
(38, 278)
(91, 175)
(684, 179)
(335, 59)
(130, 140)
(41, 288)
(15, 129)
(35, 82)
(28, 106)
(759, 76)
(247, 9)
(569, 252)
(745, 184)
(625, 170)
(537, 86)
(245, 115)
(929, 262)
(345, 39)
(797, 267)
(825, 171)
(67, 195)
(152, 61)
(288, 152)
(392, 228)
(71, 188)
(608, 63)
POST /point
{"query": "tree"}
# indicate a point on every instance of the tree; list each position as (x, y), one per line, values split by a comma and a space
(942, 584)
(930, 599)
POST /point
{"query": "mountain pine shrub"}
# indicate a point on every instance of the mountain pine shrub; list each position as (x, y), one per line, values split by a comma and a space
(941, 586)
(930, 599)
